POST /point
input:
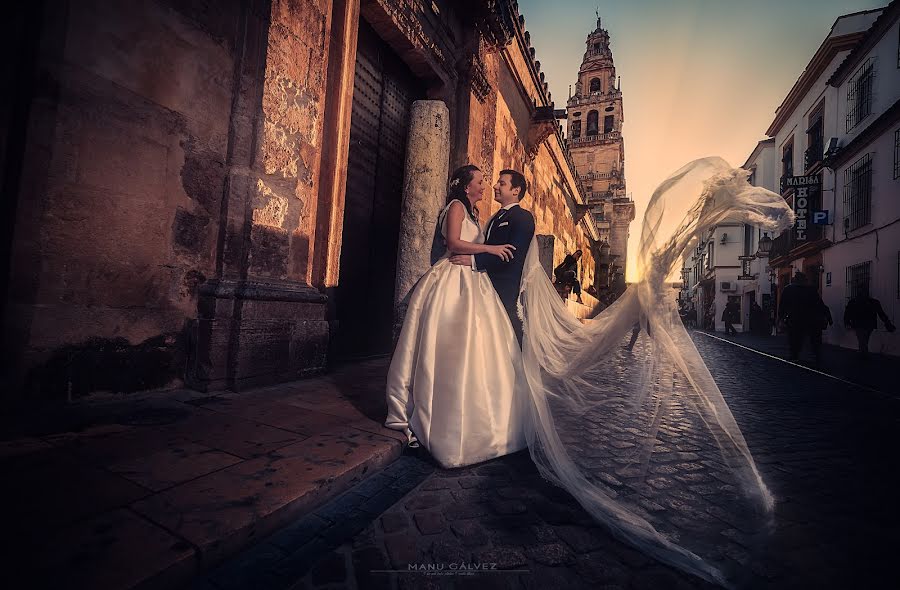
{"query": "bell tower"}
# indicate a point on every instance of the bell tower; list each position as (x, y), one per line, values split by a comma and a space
(595, 116)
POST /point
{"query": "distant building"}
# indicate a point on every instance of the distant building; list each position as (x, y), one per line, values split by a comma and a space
(595, 117)
(726, 264)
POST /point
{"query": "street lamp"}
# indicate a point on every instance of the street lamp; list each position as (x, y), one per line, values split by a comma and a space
(765, 246)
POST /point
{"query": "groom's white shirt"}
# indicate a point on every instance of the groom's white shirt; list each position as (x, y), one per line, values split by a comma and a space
(497, 214)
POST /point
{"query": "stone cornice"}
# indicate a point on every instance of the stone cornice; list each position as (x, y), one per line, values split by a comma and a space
(816, 67)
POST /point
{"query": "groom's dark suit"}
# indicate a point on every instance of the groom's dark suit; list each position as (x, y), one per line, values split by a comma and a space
(510, 226)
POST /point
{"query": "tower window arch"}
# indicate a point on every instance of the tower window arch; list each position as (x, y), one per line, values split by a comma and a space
(609, 121)
(593, 123)
(576, 129)
(595, 84)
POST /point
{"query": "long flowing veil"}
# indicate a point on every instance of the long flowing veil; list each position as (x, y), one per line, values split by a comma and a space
(643, 439)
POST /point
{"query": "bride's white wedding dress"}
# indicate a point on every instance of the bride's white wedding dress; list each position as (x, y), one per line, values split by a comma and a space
(456, 375)
(608, 427)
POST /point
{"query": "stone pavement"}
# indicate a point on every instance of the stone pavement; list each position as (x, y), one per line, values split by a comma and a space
(878, 371)
(824, 448)
(148, 491)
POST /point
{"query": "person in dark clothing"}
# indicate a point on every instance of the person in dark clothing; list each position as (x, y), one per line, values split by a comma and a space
(861, 315)
(730, 315)
(805, 315)
(758, 320)
(567, 273)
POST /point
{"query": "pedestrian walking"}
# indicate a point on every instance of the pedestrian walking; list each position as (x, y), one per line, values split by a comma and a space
(759, 325)
(730, 315)
(805, 315)
(861, 315)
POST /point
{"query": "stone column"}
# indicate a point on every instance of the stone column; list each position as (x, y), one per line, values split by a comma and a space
(424, 195)
(546, 249)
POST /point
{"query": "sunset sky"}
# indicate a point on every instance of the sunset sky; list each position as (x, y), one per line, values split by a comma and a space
(699, 77)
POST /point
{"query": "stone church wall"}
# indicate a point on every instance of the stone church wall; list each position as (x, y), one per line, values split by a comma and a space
(180, 214)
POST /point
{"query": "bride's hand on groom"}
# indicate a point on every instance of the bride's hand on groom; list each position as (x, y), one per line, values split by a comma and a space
(504, 252)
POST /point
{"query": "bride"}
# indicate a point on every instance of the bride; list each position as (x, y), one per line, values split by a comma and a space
(607, 428)
(455, 383)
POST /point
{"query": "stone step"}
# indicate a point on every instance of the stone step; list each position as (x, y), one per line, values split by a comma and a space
(157, 491)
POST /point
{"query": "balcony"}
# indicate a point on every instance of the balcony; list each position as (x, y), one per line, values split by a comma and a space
(789, 247)
(813, 155)
(599, 175)
(593, 98)
(595, 139)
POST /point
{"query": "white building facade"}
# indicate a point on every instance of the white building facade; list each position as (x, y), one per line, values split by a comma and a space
(865, 237)
(813, 119)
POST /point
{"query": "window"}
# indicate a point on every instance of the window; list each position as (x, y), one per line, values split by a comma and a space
(576, 129)
(858, 278)
(787, 159)
(595, 84)
(859, 94)
(608, 123)
(814, 139)
(858, 193)
(897, 154)
(592, 123)
(748, 240)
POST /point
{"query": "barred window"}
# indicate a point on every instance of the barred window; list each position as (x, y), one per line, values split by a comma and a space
(859, 94)
(787, 159)
(858, 278)
(858, 193)
(814, 138)
(897, 154)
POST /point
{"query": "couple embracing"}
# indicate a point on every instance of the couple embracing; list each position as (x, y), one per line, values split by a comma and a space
(455, 383)
(470, 384)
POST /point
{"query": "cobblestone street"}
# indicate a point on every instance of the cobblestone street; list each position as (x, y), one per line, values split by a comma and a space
(821, 446)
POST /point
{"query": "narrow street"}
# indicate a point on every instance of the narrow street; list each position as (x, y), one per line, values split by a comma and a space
(821, 445)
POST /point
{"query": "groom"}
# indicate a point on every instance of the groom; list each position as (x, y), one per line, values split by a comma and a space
(510, 225)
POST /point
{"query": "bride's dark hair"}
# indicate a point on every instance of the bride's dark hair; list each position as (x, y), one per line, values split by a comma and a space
(459, 180)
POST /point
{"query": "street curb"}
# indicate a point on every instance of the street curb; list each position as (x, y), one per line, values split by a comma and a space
(280, 560)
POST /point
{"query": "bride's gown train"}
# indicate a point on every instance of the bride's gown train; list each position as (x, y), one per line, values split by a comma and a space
(456, 375)
(645, 441)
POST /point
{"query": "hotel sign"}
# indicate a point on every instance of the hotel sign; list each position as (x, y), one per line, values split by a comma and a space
(806, 189)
